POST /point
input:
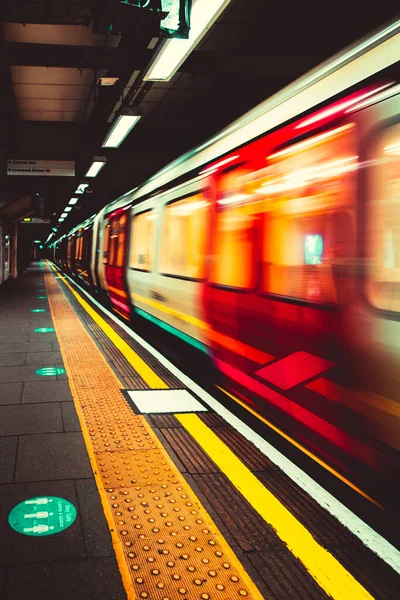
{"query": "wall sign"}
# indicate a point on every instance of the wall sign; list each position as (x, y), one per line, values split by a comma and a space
(42, 168)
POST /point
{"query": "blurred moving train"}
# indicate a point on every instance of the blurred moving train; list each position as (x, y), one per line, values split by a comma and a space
(275, 248)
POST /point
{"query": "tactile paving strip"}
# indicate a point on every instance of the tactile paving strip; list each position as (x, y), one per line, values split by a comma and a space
(166, 544)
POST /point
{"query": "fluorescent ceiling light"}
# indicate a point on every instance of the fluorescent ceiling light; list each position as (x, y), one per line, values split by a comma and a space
(61, 219)
(67, 208)
(81, 188)
(173, 52)
(122, 126)
(96, 166)
(64, 214)
(73, 201)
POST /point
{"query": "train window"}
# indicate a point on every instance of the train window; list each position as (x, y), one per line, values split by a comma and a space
(237, 218)
(113, 242)
(184, 236)
(383, 223)
(107, 244)
(141, 254)
(309, 241)
(121, 240)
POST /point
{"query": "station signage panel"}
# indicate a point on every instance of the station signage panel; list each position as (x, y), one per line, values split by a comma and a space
(41, 168)
(35, 220)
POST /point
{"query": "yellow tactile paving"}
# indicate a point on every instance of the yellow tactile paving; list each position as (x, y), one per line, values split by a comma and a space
(167, 546)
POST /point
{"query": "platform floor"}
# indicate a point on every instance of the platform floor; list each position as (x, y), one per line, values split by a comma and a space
(171, 500)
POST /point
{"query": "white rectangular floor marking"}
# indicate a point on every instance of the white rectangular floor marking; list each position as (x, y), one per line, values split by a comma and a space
(165, 401)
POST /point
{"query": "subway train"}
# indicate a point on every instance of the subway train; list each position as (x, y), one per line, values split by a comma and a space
(274, 248)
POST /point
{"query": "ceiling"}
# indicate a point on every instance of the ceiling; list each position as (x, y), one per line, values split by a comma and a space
(52, 108)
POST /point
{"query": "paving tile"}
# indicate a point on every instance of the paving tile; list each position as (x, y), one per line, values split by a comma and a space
(88, 579)
(43, 358)
(46, 391)
(94, 524)
(69, 416)
(12, 339)
(2, 582)
(26, 373)
(15, 359)
(20, 419)
(11, 329)
(11, 393)
(8, 452)
(16, 548)
(34, 346)
(10, 325)
(56, 456)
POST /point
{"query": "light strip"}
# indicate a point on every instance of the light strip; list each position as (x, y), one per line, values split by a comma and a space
(81, 188)
(219, 164)
(378, 98)
(61, 219)
(173, 52)
(123, 125)
(73, 201)
(67, 208)
(96, 167)
(331, 110)
(311, 141)
(64, 214)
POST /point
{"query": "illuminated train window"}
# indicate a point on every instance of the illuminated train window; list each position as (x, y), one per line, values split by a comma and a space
(383, 222)
(141, 253)
(309, 233)
(184, 237)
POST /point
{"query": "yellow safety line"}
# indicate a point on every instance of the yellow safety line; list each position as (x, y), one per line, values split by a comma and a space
(142, 368)
(117, 545)
(303, 449)
(324, 568)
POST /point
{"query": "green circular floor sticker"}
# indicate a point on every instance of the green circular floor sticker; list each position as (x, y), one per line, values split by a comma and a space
(50, 371)
(38, 310)
(44, 329)
(45, 515)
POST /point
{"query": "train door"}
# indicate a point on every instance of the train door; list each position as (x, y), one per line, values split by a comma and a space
(231, 278)
(304, 202)
(141, 262)
(115, 249)
(6, 257)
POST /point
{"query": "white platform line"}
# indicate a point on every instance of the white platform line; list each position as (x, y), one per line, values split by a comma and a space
(370, 538)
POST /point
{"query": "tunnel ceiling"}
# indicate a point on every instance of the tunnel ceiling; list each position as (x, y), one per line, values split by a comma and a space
(54, 51)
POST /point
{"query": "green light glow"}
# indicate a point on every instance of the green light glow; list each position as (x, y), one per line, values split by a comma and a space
(171, 21)
(183, 336)
(44, 329)
(50, 371)
(41, 297)
(38, 310)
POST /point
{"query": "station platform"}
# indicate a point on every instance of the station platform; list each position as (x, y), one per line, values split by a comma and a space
(121, 478)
